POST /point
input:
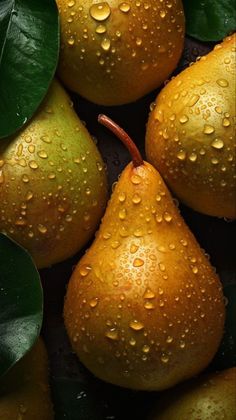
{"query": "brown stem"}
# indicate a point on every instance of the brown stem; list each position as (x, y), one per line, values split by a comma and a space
(124, 137)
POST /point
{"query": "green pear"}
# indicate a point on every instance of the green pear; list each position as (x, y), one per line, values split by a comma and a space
(209, 397)
(108, 47)
(24, 390)
(144, 308)
(53, 186)
(190, 135)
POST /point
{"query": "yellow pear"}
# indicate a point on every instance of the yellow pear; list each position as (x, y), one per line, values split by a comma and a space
(209, 397)
(24, 390)
(144, 308)
(114, 52)
(53, 186)
(191, 134)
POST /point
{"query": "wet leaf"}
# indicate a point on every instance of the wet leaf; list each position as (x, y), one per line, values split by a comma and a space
(210, 20)
(21, 302)
(29, 48)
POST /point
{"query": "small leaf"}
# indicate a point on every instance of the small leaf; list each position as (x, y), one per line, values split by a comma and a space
(210, 20)
(29, 48)
(21, 303)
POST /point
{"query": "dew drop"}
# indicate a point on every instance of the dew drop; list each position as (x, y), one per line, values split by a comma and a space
(183, 119)
(106, 44)
(134, 248)
(124, 7)
(93, 302)
(100, 11)
(135, 179)
(42, 154)
(208, 129)
(136, 199)
(84, 270)
(164, 358)
(33, 164)
(42, 229)
(181, 155)
(146, 348)
(222, 82)
(226, 122)
(138, 262)
(193, 157)
(167, 217)
(100, 29)
(132, 342)
(122, 214)
(112, 334)
(149, 294)
(122, 197)
(149, 305)
(136, 325)
(217, 144)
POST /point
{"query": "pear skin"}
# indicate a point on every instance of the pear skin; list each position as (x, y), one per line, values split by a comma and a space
(209, 397)
(53, 186)
(107, 48)
(144, 308)
(24, 390)
(190, 135)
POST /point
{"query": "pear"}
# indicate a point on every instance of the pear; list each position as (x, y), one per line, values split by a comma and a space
(24, 390)
(53, 186)
(107, 47)
(144, 308)
(190, 135)
(210, 397)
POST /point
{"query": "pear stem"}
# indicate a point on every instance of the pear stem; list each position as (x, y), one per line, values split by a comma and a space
(124, 137)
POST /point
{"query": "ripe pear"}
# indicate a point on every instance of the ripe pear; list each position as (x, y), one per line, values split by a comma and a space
(108, 47)
(210, 397)
(53, 186)
(24, 390)
(190, 135)
(144, 308)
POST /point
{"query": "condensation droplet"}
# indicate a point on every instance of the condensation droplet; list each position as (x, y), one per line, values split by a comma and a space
(124, 7)
(84, 270)
(222, 82)
(217, 144)
(138, 262)
(136, 325)
(100, 11)
(208, 129)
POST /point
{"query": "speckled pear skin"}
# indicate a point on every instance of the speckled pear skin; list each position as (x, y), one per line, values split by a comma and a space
(190, 135)
(209, 397)
(53, 186)
(24, 390)
(115, 52)
(144, 308)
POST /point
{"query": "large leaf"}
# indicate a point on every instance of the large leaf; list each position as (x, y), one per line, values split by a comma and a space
(21, 303)
(29, 45)
(210, 20)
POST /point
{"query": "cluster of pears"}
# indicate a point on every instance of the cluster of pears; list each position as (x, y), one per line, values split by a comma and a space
(108, 47)
(53, 186)
(24, 390)
(144, 308)
(190, 135)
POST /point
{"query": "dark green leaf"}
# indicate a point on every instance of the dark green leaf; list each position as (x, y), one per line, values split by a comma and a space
(29, 45)
(21, 303)
(210, 20)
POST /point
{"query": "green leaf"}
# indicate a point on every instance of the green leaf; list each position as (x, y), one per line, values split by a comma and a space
(21, 303)
(29, 49)
(210, 20)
